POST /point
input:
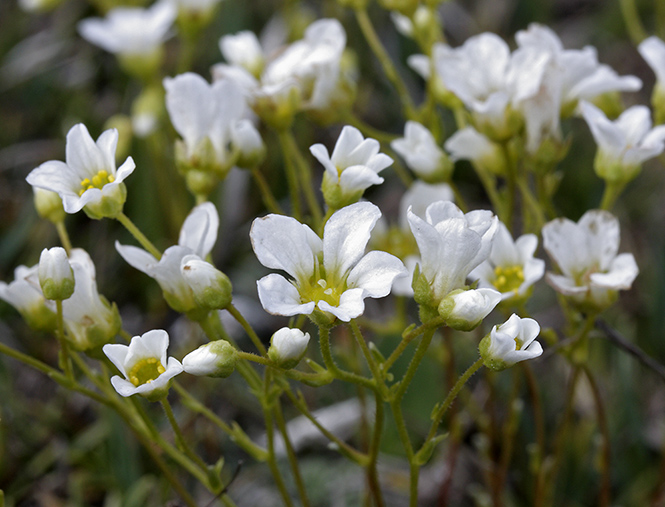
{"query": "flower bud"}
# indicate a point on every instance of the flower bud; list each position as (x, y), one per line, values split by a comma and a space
(465, 309)
(288, 346)
(56, 276)
(49, 205)
(146, 110)
(211, 288)
(248, 143)
(214, 359)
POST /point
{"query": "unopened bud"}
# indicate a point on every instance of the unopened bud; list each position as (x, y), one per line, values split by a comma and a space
(211, 288)
(214, 359)
(288, 346)
(56, 276)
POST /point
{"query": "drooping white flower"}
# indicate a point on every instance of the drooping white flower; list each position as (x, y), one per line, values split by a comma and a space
(332, 274)
(197, 237)
(243, 49)
(511, 267)
(511, 342)
(204, 114)
(307, 74)
(56, 276)
(144, 365)
(288, 346)
(26, 296)
(215, 359)
(422, 153)
(90, 320)
(89, 179)
(586, 254)
(489, 80)
(352, 168)
(469, 144)
(451, 245)
(130, 31)
(623, 144)
(580, 74)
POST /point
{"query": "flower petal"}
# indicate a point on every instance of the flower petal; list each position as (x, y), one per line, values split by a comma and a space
(279, 297)
(199, 231)
(375, 273)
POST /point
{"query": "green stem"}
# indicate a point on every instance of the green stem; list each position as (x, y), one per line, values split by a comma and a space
(374, 368)
(138, 235)
(270, 438)
(290, 146)
(292, 178)
(235, 432)
(180, 439)
(381, 54)
(65, 364)
(64, 237)
(290, 453)
(344, 448)
(408, 337)
(372, 471)
(535, 213)
(464, 378)
(537, 407)
(347, 376)
(605, 483)
(611, 194)
(508, 438)
(631, 17)
(414, 468)
(414, 364)
(248, 328)
(266, 193)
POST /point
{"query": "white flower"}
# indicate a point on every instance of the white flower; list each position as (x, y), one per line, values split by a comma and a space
(511, 342)
(288, 346)
(333, 274)
(130, 30)
(469, 144)
(421, 153)
(652, 50)
(89, 318)
(451, 245)
(26, 296)
(197, 237)
(586, 254)
(580, 74)
(144, 365)
(215, 359)
(511, 268)
(89, 179)
(56, 276)
(624, 144)
(243, 50)
(465, 309)
(353, 167)
(489, 80)
(203, 113)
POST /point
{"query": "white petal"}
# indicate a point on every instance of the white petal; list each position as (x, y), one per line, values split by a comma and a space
(652, 50)
(601, 229)
(375, 273)
(350, 306)
(82, 153)
(621, 274)
(279, 297)
(191, 106)
(199, 231)
(281, 242)
(358, 177)
(345, 236)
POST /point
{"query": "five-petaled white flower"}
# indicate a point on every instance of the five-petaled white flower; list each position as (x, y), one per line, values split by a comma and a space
(623, 144)
(144, 365)
(130, 30)
(511, 342)
(197, 237)
(89, 179)
(352, 168)
(451, 245)
(332, 274)
(205, 115)
(586, 254)
(511, 267)
(422, 153)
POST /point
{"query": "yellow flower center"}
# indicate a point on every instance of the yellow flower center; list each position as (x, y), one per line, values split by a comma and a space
(518, 344)
(145, 371)
(320, 291)
(98, 181)
(508, 278)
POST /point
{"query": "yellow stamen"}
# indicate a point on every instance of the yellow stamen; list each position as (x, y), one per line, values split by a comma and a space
(508, 278)
(145, 371)
(98, 181)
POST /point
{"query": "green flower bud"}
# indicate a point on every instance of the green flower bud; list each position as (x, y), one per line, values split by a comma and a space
(288, 346)
(56, 276)
(211, 288)
(214, 359)
(49, 205)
